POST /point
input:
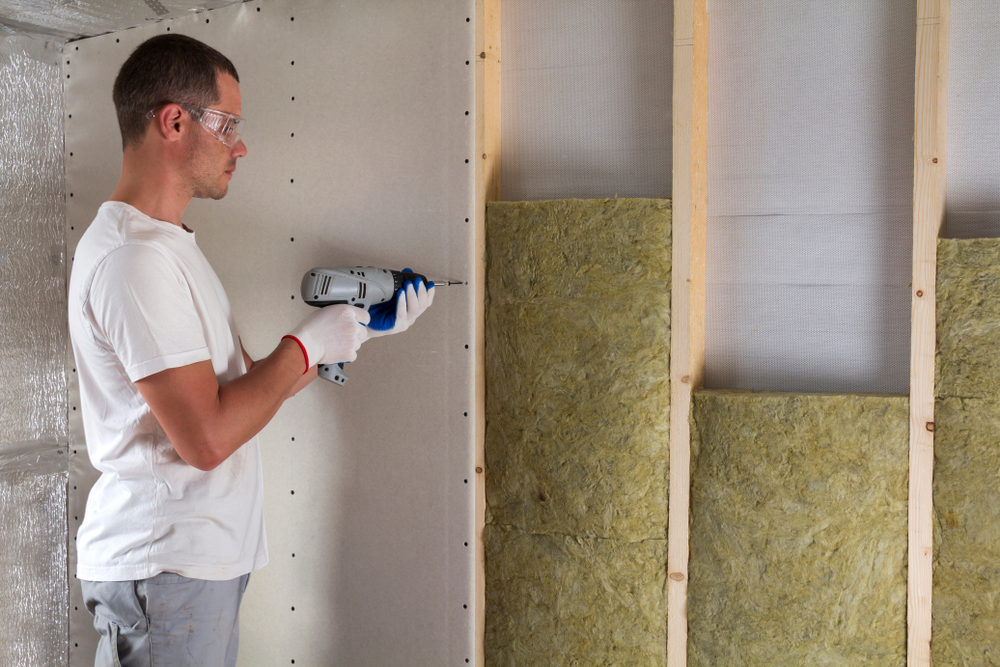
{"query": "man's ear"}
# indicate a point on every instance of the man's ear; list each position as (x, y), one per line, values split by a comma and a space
(170, 122)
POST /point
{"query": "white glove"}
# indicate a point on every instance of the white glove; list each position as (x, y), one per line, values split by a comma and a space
(410, 303)
(331, 335)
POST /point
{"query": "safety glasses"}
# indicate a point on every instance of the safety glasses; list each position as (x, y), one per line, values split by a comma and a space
(225, 127)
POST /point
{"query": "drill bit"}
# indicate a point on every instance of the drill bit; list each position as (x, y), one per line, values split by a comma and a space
(445, 283)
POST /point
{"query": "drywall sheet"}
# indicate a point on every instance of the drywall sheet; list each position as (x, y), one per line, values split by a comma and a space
(798, 530)
(967, 455)
(33, 614)
(810, 170)
(586, 98)
(973, 203)
(577, 340)
(360, 152)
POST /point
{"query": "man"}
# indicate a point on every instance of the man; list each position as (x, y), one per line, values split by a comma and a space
(172, 404)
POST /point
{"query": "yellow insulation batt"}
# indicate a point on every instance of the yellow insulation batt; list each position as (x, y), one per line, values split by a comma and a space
(562, 600)
(798, 530)
(577, 369)
(966, 602)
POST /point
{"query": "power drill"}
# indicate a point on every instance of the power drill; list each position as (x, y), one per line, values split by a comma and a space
(361, 286)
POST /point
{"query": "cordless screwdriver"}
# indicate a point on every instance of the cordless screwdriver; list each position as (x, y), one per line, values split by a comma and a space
(361, 286)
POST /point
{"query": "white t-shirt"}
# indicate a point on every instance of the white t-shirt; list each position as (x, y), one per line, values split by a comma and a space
(142, 299)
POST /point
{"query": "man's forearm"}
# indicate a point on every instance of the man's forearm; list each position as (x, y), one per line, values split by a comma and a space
(247, 404)
(207, 422)
(303, 381)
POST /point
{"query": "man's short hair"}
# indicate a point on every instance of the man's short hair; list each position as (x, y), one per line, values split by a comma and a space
(166, 69)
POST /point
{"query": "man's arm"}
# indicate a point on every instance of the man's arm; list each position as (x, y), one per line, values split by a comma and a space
(207, 422)
(247, 361)
(303, 381)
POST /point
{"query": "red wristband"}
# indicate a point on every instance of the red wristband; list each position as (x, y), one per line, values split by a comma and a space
(303, 347)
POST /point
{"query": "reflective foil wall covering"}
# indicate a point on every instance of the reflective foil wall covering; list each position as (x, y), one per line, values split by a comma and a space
(33, 330)
(34, 618)
(33, 338)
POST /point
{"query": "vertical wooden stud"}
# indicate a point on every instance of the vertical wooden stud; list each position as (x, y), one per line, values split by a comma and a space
(487, 111)
(687, 344)
(929, 181)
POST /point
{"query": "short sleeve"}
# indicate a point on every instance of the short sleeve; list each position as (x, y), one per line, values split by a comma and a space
(140, 306)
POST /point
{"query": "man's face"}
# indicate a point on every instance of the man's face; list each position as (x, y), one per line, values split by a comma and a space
(209, 162)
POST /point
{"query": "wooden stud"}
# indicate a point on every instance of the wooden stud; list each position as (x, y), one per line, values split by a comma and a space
(929, 183)
(687, 338)
(487, 58)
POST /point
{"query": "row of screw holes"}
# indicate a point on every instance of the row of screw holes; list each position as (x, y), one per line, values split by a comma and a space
(466, 414)
(75, 518)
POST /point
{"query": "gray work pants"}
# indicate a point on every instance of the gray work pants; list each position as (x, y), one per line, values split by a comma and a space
(166, 621)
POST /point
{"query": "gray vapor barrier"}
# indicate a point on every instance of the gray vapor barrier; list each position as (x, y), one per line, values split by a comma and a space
(586, 108)
(973, 204)
(33, 339)
(810, 181)
(34, 613)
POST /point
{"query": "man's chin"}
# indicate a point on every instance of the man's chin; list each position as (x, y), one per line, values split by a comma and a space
(215, 193)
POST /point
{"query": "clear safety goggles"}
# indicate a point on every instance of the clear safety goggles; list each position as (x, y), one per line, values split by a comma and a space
(225, 127)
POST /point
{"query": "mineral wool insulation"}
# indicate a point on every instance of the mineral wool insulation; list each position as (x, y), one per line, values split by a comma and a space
(577, 355)
(966, 605)
(798, 530)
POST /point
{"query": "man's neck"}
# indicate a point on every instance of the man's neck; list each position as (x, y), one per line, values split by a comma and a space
(150, 191)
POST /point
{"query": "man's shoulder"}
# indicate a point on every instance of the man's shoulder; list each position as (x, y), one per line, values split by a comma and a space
(120, 230)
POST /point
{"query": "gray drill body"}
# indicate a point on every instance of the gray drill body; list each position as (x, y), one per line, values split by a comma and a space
(361, 286)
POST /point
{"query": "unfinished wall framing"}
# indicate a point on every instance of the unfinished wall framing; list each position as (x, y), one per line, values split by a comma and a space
(930, 160)
(487, 190)
(687, 345)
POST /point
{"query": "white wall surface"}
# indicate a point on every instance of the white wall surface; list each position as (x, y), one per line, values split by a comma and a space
(371, 485)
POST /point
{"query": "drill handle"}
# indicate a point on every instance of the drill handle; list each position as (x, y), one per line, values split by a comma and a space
(334, 373)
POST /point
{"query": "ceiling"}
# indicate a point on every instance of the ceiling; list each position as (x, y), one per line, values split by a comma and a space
(73, 19)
